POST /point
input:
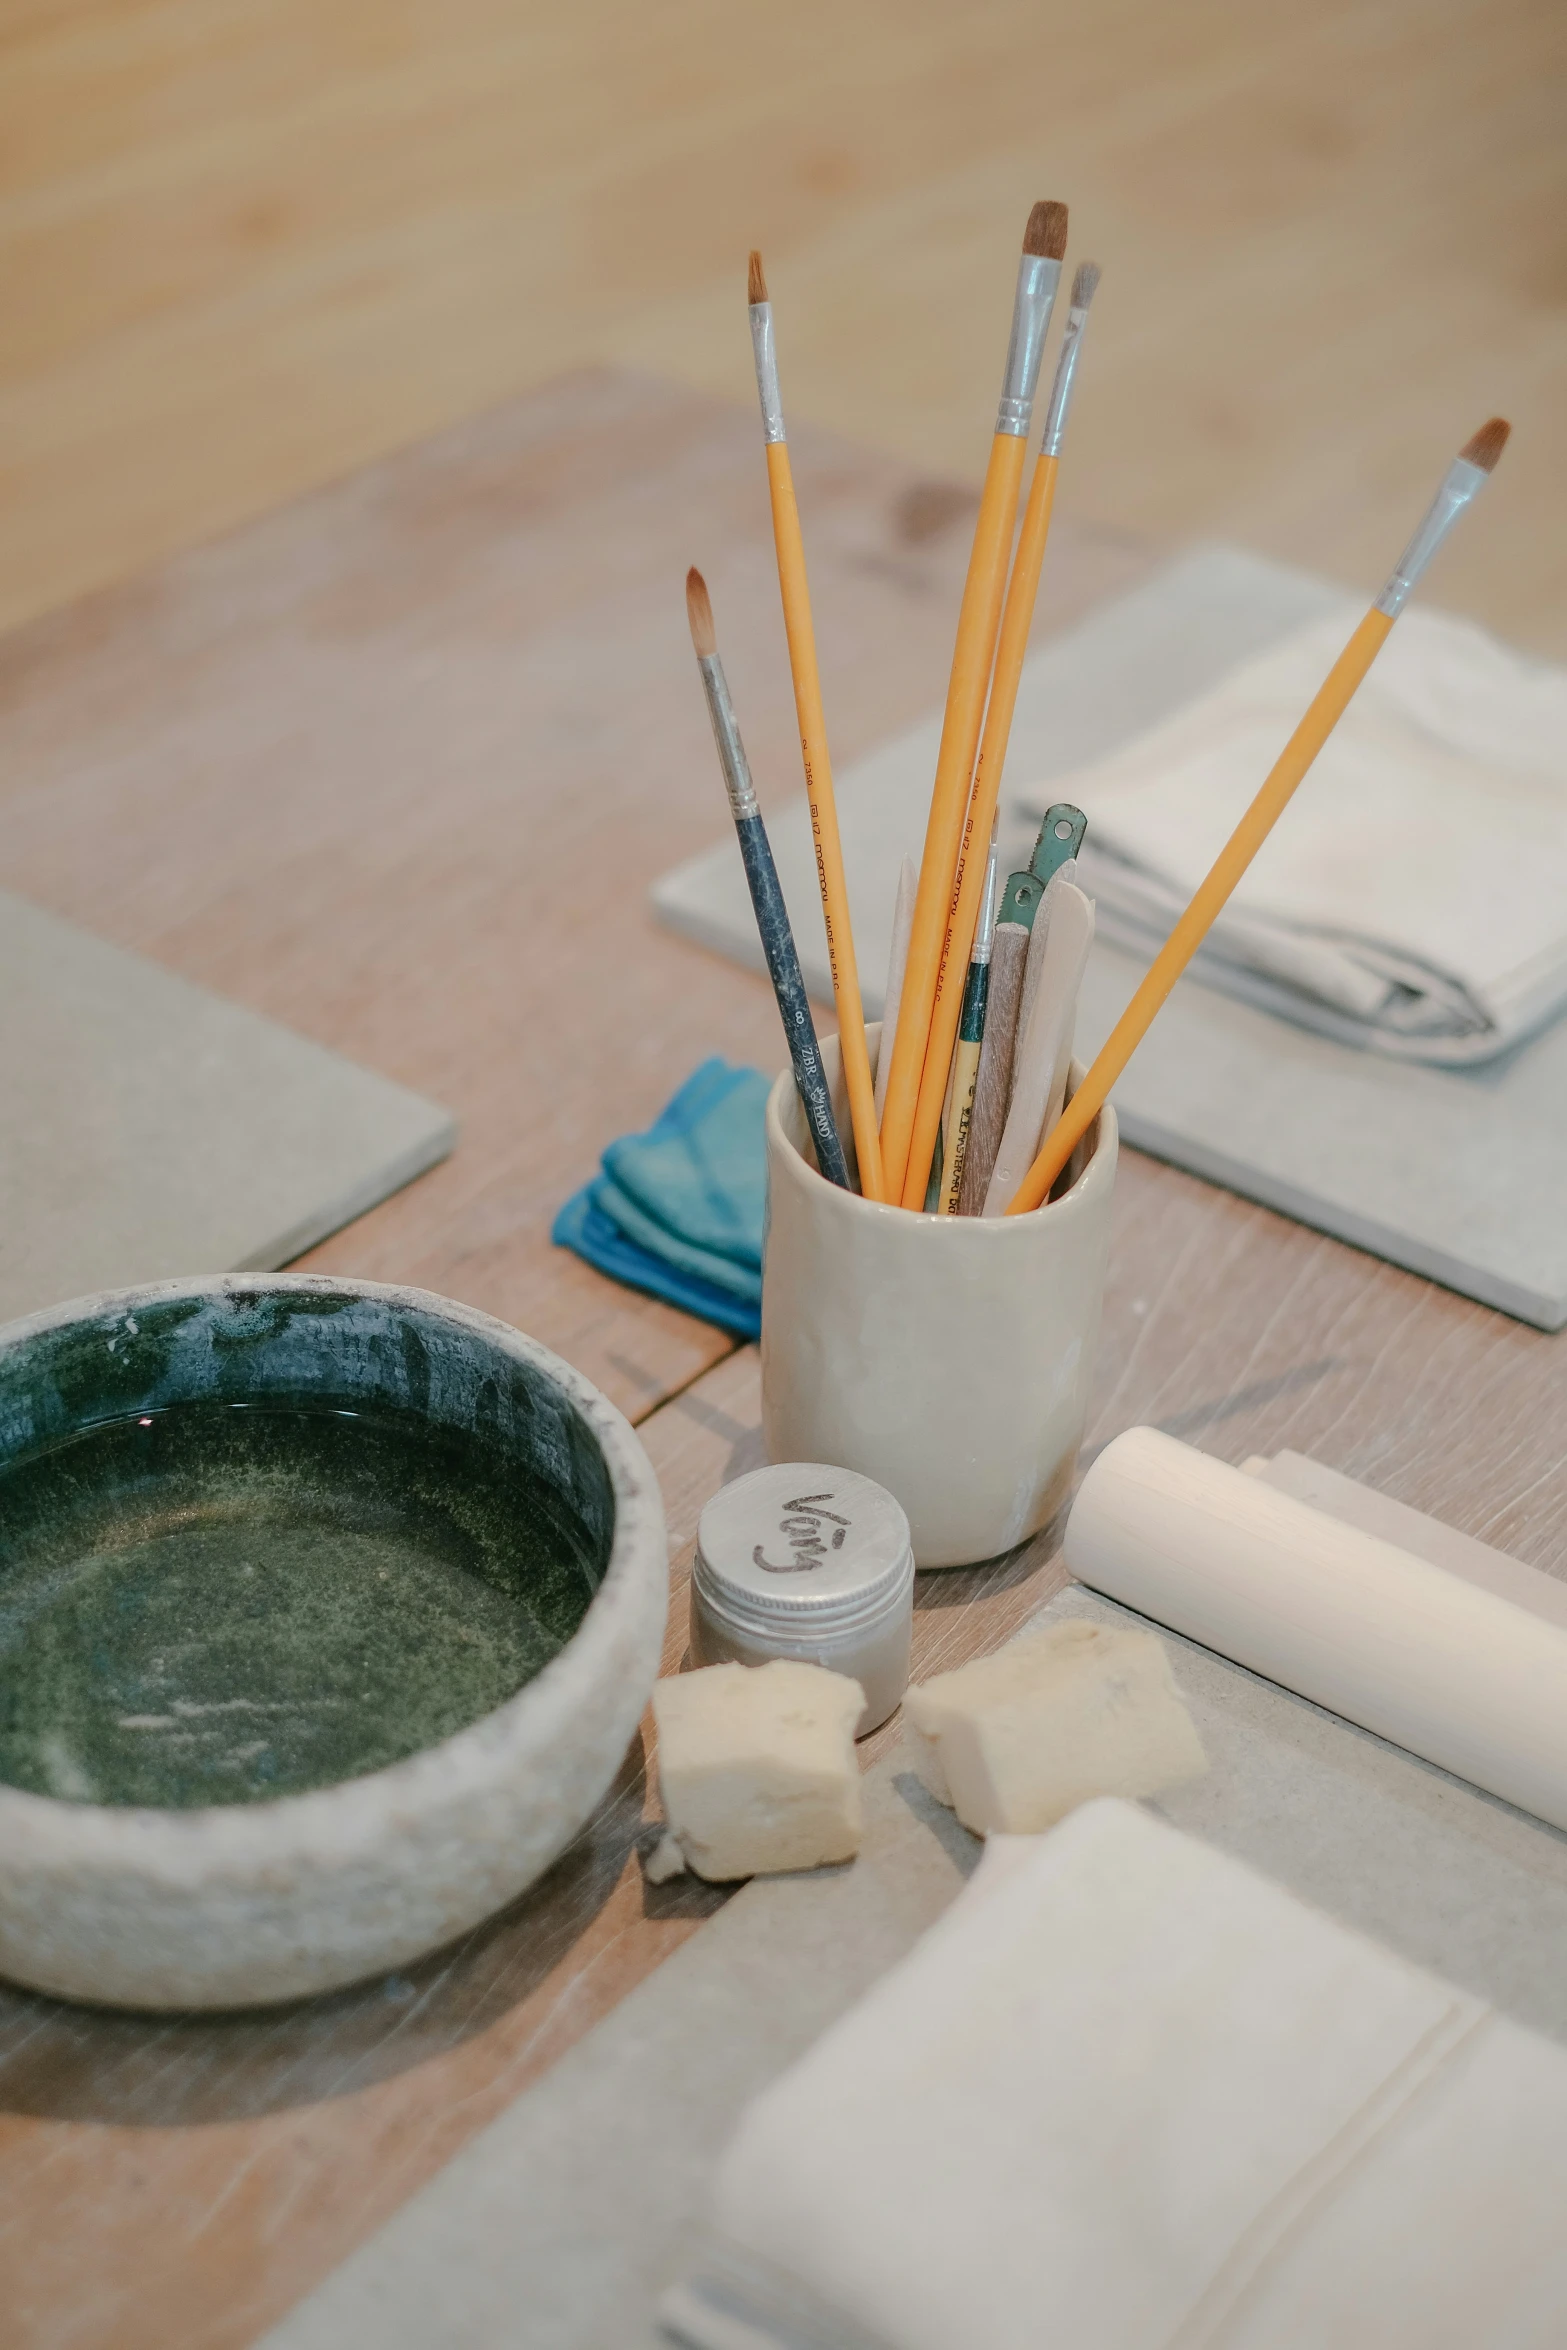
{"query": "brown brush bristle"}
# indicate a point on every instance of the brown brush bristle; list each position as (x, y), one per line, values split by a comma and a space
(699, 611)
(1045, 235)
(1085, 284)
(1488, 444)
(755, 283)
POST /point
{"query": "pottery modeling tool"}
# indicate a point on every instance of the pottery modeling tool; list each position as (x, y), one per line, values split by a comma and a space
(1043, 1055)
(966, 1052)
(1060, 837)
(1465, 477)
(798, 627)
(1038, 941)
(1055, 851)
(993, 1081)
(1011, 651)
(979, 617)
(772, 916)
(902, 916)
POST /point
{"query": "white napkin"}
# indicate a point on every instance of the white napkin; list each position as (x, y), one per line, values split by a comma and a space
(1126, 2095)
(1413, 896)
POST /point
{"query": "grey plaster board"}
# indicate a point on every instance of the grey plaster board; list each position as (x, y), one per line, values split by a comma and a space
(150, 1129)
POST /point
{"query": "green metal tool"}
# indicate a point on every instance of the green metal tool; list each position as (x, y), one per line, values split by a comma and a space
(1060, 837)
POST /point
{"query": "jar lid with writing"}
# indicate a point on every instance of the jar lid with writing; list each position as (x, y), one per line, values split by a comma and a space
(807, 1561)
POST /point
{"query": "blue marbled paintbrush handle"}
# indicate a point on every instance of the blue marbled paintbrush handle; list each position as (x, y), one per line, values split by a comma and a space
(772, 920)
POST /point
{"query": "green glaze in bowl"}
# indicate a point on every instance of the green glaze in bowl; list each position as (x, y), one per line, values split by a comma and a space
(291, 1559)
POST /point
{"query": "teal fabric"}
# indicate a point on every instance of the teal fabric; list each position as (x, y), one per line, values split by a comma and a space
(678, 1210)
(671, 1248)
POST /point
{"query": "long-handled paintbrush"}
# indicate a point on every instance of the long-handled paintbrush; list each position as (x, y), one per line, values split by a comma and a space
(898, 955)
(1011, 652)
(1039, 273)
(966, 1052)
(1466, 476)
(801, 634)
(772, 916)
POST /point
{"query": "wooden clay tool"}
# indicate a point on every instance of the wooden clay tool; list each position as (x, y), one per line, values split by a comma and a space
(772, 916)
(1044, 1046)
(1060, 838)
(993, 1082)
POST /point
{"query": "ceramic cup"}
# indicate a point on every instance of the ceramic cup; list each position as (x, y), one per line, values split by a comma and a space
(947, 1357)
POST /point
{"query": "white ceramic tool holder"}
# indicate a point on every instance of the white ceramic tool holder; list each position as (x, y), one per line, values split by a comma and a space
(947, 1357)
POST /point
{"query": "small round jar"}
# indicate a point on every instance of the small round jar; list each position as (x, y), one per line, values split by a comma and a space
(809, 1562)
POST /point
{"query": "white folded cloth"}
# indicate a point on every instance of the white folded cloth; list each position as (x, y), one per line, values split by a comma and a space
(1127, 2095)
(1413, 896)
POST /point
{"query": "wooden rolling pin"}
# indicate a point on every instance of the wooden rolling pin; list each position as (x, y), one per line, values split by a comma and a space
(1455, 1673)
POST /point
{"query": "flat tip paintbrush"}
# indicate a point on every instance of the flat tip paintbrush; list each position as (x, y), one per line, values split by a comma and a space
(1045, 235)
(799, 628)
(973, 657)
(1485, 446)
(772, 916)
(699, 611)
(1465, 478)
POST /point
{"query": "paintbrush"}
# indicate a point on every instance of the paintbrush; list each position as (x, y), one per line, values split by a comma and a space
(1465, 478)
(1011, 652)
(772, 916)
(1039, 273)
(965, 1056)
(798, 627)
(902, 916)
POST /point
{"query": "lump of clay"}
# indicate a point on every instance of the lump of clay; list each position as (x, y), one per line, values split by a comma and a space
(1016, 1740)
(757, 1767)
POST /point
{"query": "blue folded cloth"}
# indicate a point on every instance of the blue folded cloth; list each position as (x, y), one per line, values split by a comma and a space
(678, 1210)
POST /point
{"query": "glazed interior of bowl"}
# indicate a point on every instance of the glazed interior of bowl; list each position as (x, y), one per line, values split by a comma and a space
(259, 1539)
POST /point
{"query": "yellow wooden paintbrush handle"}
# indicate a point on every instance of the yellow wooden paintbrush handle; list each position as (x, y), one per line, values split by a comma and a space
(1011, 651)
(795, 591)
(965, 1070)
(973, 654)
(1332, 700)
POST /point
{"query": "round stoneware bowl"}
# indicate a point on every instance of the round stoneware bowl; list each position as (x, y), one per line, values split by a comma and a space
(327, 1612)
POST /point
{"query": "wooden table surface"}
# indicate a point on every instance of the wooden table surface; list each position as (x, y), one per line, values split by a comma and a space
(396, 766)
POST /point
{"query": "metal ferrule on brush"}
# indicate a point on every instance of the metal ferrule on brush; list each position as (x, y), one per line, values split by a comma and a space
(985, 934)
(1037, 280)
(766, 352)
(1463, 481)
(726, 733)
(1066, 377)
